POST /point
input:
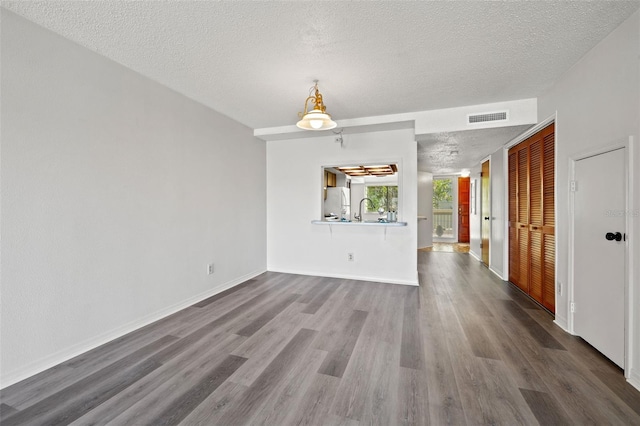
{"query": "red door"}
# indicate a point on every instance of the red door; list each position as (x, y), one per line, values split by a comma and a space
(463, 209)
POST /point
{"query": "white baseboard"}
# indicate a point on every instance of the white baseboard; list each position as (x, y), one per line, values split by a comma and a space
(413, 282)
(562, 323)
(634, 379)
(497, 274)
(473, 254)
(11, 377)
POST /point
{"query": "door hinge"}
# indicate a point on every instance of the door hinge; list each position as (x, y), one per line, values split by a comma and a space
(573, 307)
(573, 186)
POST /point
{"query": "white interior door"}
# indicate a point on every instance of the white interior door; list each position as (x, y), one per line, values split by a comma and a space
(599, 259)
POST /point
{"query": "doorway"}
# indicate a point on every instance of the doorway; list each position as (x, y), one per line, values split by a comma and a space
(600, 252)
(445, 200)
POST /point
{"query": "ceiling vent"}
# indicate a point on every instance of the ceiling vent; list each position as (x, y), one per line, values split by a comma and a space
(490, 116)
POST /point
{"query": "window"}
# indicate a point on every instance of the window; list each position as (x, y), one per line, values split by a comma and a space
(385, 197)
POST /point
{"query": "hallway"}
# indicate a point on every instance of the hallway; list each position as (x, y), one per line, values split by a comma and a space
(496, 354)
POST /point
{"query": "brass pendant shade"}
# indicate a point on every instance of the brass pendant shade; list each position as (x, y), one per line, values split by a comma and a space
(317, 118)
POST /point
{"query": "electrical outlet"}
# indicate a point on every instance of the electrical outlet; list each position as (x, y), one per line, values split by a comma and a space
(210, 269)
(350, 257)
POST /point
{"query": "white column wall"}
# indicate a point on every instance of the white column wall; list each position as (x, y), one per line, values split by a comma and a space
(294, 183)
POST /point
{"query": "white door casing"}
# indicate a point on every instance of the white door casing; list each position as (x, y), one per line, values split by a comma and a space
(599, 264)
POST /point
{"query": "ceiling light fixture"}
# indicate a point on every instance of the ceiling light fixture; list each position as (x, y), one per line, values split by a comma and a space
(317, 118)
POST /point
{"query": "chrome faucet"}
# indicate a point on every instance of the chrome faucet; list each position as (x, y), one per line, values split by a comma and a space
(359, 215)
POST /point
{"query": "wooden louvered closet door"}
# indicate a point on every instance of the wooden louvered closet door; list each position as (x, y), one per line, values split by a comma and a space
(532, 218)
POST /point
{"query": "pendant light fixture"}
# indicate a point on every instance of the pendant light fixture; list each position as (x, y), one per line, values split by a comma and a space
(317, 118)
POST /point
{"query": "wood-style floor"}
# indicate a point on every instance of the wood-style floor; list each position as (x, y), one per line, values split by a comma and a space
(463, 348)
(448, 247)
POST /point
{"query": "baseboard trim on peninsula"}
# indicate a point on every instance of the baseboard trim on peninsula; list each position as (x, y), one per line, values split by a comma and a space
(413, 282)
(54, 359)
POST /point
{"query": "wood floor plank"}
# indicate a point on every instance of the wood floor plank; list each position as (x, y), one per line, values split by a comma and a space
(545, 339)
(215, 405)
(581, 386)
(545, 408)
(320, 299)
(175, 412)
(570, 384)
(65, 407)
(467, 369)
(263, 347)
(387, 316)
(211, 327)
(287, 323)
(315, 405)
(358, 381)
(332, 316)
(312, 286)
(33, 389)
(413, 398)
(270, 313)
(151, 393)
(7, 411)
(616, 382)
(290, 392)
(517, 364)
(411, 350)
(259, 391)
(444, 401)
(336, 361)
(480, 343)
(585, 354)
(80, 397)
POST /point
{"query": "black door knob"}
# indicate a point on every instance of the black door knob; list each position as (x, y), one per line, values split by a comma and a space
(611, 236)
(486, 218)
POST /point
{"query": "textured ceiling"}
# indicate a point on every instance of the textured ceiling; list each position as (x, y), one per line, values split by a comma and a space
(450, 152)
(255, 61)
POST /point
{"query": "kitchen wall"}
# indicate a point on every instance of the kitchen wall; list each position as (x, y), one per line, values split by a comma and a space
(598, 102)
(116, 194)
(294, 244)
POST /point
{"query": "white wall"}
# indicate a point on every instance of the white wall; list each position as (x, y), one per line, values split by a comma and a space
(425, 209)
(497, 239)
(597, 102)
(116, 193)
(294, 180)
(475, 220)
